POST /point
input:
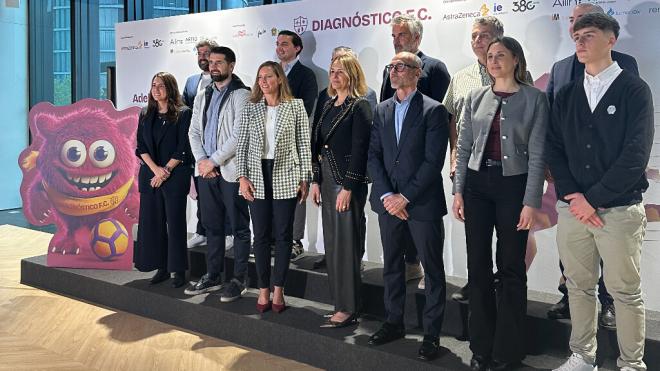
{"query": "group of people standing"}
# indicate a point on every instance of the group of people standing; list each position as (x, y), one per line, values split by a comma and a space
(257, 157)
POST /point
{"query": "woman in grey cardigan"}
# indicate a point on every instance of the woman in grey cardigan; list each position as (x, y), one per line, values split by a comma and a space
(498, 184)
(273, 166)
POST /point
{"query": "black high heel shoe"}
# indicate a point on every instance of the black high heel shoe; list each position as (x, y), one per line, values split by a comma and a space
(160, 276)
(179, 279)
(351, 320)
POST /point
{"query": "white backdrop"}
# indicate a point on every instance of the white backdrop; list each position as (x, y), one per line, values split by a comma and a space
(167, 44)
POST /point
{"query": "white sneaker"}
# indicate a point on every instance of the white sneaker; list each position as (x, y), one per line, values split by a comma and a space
(576, 363)
(229, 242)
(627, 368)
(196, 240)
(414, 271)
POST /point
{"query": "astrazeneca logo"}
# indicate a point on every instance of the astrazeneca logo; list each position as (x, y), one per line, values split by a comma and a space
(523, 6)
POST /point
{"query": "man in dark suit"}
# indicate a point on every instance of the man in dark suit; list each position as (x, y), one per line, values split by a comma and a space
(433, 82)
(562, 73)
(303, 86)
(407, 151)
(195, 84)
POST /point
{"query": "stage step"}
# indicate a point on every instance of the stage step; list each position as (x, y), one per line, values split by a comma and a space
(295, 333)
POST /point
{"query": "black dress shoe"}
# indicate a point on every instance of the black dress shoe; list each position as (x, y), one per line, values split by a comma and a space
(607, 317)
(463, 295)
(560, 310)
(178, 280)
(430, 348)
(321, 263)
(496, 365)
(388, 332)
(160, 276)
(479, 363)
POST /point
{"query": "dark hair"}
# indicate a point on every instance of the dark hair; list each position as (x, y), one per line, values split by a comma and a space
(174, 101)
(512, 45)
(600, 21)
(297, 41)
(207, 43)
(230, 57)
(284, 90)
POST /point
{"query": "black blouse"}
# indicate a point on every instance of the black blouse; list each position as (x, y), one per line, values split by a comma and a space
(342, 135)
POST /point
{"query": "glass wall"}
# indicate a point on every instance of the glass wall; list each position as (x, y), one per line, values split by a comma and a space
(73, 40)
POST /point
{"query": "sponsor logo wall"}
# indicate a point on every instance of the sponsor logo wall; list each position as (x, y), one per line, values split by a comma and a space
(168, 44)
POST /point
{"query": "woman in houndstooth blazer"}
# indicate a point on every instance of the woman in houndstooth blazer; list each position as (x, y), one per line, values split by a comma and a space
(274, 164)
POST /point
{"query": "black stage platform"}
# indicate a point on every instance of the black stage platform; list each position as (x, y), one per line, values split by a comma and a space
(295, 334)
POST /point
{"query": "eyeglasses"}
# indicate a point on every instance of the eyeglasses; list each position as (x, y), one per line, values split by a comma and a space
(399, 67)
(205, 54)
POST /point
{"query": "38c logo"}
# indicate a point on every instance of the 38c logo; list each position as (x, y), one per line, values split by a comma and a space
(523, 5)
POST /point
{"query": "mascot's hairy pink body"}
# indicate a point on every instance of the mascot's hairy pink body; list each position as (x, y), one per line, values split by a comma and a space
(80, 169)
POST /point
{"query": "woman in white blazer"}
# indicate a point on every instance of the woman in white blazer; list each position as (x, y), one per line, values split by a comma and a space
(274, 164)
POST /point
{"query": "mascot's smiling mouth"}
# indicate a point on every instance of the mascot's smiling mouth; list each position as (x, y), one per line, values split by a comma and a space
(88, 183)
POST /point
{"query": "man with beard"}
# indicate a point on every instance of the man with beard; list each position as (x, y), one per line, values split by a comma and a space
(213, 136)
(194, 85)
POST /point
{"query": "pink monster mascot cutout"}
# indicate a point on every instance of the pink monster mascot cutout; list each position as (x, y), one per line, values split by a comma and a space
(79, 174)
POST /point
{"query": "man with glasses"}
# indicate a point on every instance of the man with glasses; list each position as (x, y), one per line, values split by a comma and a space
(213, 136)
(407, 34)
(406, 153)
(562, 73)
(196, 84)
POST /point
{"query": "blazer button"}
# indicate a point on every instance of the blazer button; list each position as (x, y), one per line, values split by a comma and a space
(503, 136)
(503, 102)
(587, 166)
(325, 146)
(505, 157)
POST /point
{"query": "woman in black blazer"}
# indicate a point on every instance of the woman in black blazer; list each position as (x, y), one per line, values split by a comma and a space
(164, 182)
(340, 143)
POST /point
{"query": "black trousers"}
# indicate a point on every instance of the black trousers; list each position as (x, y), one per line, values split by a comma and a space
(428, 238)
(497, 323)
(343, 238)
(272, 218)
(161, 233)
(200, 227)
(220, 200)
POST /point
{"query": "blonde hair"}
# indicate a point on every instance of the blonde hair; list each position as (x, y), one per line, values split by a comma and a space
(284, 92)
(357, 84)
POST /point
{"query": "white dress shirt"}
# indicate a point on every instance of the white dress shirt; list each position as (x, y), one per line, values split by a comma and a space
(204, 81)
(595, 87)
(269, 135)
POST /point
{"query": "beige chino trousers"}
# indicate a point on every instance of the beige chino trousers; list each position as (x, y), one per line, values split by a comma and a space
(619, 244)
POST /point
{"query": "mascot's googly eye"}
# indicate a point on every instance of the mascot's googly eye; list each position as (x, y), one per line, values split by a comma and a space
(73, 153)
(102, 153)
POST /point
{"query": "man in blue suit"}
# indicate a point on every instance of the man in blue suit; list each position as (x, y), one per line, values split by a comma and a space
(562, 73)
(409, 139)
(195, 84)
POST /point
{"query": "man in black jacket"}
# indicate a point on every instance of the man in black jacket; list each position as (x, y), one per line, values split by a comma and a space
(433, 82)
(303, 86)
(562, 73)
(598, 146)
(409, 139)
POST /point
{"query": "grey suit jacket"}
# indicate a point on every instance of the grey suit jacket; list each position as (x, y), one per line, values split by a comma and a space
(524, 119)
(227, 135)
(293, 157)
